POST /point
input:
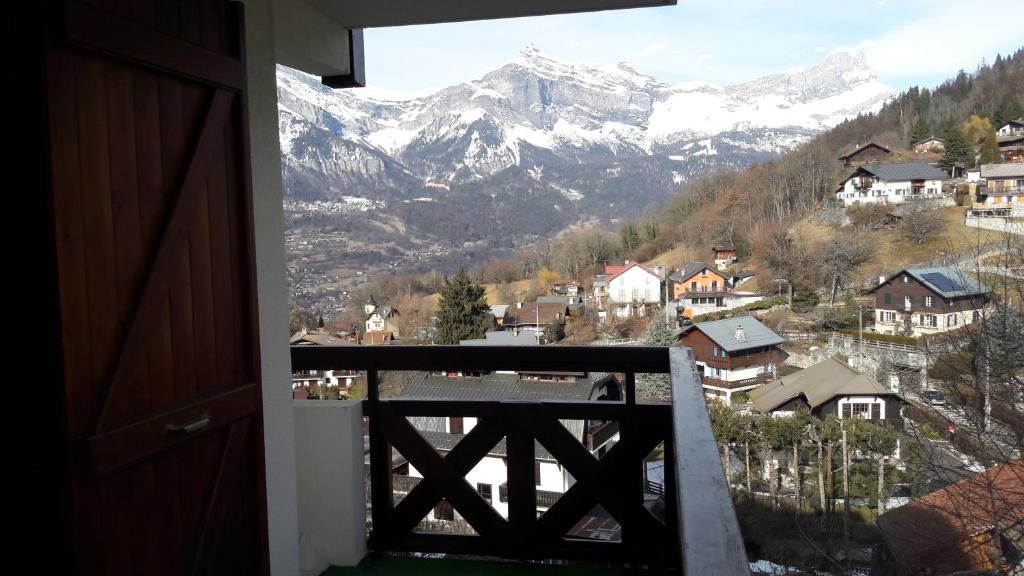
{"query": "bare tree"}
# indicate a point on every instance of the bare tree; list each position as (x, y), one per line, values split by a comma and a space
(920, 224)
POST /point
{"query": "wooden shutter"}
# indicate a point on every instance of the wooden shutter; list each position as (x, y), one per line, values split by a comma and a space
(151, 201)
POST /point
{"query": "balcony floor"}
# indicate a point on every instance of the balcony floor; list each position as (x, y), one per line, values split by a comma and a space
(438, 567)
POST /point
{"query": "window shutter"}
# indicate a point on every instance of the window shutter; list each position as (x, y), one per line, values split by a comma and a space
(876, 411)
(847, 410)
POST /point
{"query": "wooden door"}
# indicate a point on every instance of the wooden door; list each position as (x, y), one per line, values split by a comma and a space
(151, 201)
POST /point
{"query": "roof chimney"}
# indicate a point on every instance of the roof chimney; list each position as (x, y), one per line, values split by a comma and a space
(519, 305)
(881, 280)
(741, 336)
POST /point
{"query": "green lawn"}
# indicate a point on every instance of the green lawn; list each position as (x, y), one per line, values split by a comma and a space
(445, 567)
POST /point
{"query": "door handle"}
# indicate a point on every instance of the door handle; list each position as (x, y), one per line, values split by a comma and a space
(189, 427)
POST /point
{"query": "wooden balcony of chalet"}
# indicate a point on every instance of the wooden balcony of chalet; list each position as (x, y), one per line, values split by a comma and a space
(694, 532)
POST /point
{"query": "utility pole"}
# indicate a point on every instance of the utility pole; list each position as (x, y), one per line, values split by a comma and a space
(846, 494)
(860, 328)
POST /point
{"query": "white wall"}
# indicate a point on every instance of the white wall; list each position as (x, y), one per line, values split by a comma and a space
(331, 482)
(963, 318)
(646, 285)
(883, 191)
(272, 291)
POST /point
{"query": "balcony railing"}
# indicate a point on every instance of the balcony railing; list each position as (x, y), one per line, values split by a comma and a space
(698, 534)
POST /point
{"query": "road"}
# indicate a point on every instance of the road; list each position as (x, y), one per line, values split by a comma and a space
(998, 435)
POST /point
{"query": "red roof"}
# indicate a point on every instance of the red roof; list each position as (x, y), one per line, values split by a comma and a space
(614, 271)
(950, 530)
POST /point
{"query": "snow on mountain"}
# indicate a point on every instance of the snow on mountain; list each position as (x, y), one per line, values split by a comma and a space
(595, 132)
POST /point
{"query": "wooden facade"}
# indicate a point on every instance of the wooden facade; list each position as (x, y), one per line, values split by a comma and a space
(704, 353)
(892, 296)
(870, 152)
(149, 204)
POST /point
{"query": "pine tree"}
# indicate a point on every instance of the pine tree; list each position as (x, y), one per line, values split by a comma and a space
(958, 151)
(659, 333)
(990, 148)
(920, 131)
(463, 312)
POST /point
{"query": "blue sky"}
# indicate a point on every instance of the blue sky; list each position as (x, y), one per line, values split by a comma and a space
(907, 42)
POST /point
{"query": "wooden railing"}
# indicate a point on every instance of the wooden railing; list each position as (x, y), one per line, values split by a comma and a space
(699, 533)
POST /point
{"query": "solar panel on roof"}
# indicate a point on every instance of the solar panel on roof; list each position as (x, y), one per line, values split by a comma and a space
(943, 282)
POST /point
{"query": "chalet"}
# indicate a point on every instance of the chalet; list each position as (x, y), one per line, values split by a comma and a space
(698, 277)
(490, 475)
(829, 387)
(929, 144)
(536, 316)
(628, 289)
(320, 383)
(961, 528)
(891, 183)
(1012, 128)
(383, 319)
(865, 154)
(1010, 138)
(1002, 186)
(724, 256)
(734, 354)
(701, 289)
(921, 301)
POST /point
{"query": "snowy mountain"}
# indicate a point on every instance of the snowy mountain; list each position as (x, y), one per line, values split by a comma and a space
(542, 143)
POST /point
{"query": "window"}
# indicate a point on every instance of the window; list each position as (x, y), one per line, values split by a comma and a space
(928, 301)
(485, 491)
(907, 302)
(536, 471)
(976, 316)
(444, 511)
(906, 279)
(714, 285)
(455, 425)
(693, 286)
(860, 410)
(887, 298)
(951, 321)
(714, 351)
(929, 320)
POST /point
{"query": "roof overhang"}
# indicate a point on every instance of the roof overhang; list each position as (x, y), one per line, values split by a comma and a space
(325, 38)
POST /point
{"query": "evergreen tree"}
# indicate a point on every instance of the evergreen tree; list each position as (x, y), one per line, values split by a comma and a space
(659, 333)
(630, 238)
(990, 148)
(1009, 109)
(920, 130)
(463, 312)
(958, 151)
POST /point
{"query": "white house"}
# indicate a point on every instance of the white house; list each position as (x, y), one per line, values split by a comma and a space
(1011, 128)
(628, 289)
(382, 319)
(891, 183)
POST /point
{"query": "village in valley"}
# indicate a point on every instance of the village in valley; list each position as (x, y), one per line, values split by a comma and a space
(854, 381)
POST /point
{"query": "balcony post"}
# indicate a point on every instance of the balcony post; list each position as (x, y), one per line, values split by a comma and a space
(710, 540)
(381, 489)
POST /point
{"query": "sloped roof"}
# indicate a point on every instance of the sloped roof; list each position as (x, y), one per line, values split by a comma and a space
(916, 142)
(533, 312)
(385, 311)
(315, 338)
(498, 310)
(504, 338)
(1012, 170)
(621, 271)
(723, 332)
(862, 147)
(818, 384)
(692, 268)
(946, 531)
(498, 386)
(553, 300)
(901, 171)
(946, 281)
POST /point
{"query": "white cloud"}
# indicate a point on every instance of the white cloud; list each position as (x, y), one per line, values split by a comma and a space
(654, 48)
(940, 44)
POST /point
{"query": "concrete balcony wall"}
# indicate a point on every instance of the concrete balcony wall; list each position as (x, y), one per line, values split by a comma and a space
(331, 484)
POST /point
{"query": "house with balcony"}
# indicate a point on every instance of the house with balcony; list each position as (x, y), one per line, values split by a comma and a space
(1001, 186)
(170, 441)
(891, 183)
(725, 256)
(628, 289)
(1010, 138)
(701, 289)
(734, 355)
(830, 387)
(489, 476)
(922, 301)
